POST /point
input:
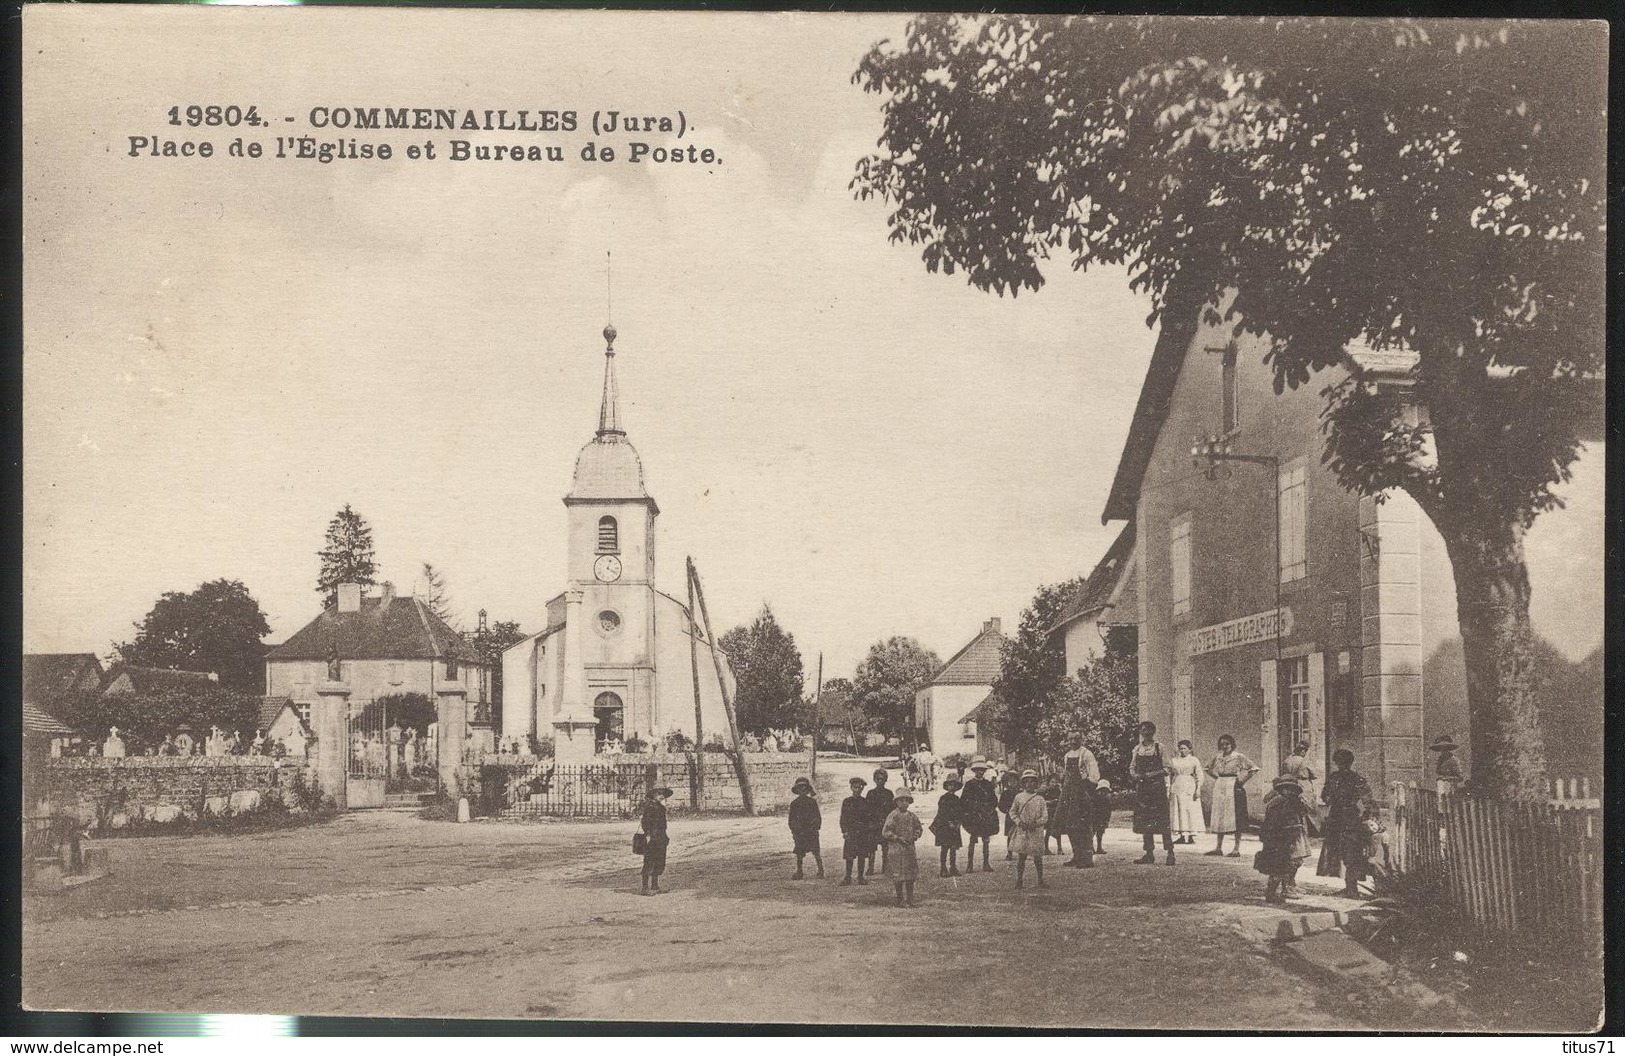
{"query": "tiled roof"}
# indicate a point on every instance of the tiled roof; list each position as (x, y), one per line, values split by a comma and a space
(975, 665)
(49, 674)
(608, 468)
(1103, 580)
(36, 721)
(156, 679)
(1178, 329)
(270, 708)
(405, 629)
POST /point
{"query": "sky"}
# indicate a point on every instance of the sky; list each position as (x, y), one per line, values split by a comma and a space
(221, 353)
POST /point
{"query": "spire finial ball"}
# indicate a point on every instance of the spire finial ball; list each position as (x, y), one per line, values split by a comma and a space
(609, 337)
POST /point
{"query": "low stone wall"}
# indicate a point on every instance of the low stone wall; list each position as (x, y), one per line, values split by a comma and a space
(114, 793)
(771, 774)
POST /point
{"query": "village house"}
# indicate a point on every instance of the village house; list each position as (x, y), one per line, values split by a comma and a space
(1105, 604)
(133, 678)
(48, 676)
(282, 721)
(945, 707)
(380, 647)
(613, 659)
(1272, 604)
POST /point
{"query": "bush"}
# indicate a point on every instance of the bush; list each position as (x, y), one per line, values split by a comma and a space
(715, 743)
(636, 745)
(678, 741)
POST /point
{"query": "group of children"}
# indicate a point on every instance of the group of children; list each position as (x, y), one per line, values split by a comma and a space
(881, 823)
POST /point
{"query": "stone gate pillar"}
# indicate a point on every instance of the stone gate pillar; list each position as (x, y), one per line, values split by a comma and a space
(1391, 634)
(330, 721)
(452, 716)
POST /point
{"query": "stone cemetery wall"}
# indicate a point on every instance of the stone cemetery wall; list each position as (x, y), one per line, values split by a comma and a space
(158, 790)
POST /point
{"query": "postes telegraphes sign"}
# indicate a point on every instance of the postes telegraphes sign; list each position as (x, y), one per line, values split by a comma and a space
(1243, 630)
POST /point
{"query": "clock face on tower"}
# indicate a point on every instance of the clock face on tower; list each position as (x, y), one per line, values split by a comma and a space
(607, 568)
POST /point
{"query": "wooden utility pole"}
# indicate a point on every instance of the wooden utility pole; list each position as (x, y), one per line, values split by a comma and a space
(722, 684)
(699, 718)
(818, 719)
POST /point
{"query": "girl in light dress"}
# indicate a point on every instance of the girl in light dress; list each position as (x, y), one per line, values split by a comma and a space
(1230, 771)
(1185, 794)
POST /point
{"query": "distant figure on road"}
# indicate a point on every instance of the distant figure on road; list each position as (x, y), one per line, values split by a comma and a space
(880, 806)
(1148, 769)
(1029, 812)
(805, 821)
(857, 842)
(911, 770)
(1009, 785)
(1351, 814)
(653, 825)
(1185, 794)
(900, 830)
(1285, 835)
(981, 804)
(1230, 771)
(945, 826)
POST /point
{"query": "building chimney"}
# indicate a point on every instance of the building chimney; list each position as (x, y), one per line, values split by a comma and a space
(349, 597)
(991, 626)
(387, 596)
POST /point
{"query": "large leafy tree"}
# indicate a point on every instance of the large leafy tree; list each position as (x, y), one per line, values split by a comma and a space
(1432, 187)
(886, 680)
(348, 555)
(218, 627)
(1032, 667)
(1099, 705)
(489, 640)
(767, 670)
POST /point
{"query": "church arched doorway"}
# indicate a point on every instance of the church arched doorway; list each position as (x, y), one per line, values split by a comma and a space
(610, 712)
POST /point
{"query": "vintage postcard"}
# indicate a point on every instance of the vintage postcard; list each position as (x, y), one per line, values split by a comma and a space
(822, 519)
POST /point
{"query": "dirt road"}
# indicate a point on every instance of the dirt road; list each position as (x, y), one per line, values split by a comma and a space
(386, 914)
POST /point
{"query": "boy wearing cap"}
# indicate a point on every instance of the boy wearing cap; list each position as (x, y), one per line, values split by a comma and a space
(880, 806)
(945, 826)
(1447, 768)
(981, 808)
(900, 830)
(805, 821)
(856, 844)
(653, 825)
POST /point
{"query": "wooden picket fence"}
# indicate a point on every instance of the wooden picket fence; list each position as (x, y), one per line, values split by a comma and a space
(1508, 868)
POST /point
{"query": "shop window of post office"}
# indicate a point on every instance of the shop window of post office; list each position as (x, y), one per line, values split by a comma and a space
(1294, 487)
(1295, 683)
(609, 536)
(1179, 560)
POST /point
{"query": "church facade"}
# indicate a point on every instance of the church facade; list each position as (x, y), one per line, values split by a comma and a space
(613, 660)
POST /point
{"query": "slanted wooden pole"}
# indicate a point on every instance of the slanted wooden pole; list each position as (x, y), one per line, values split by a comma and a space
(698, 786)
(722, 683)
(818, 719)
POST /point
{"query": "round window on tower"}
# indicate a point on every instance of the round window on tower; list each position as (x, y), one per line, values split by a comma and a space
(609, 621)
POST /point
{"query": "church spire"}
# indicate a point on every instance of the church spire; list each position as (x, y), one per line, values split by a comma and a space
(609, 419)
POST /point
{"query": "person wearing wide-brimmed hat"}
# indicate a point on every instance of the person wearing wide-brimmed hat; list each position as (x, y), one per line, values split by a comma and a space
(857, 837)
(880, 806)
(1029, 811)
(945, 826)
(653, 824)
(1446, 768)
(1285, 835)
(981, 804)
(805, 821)
(900, 831)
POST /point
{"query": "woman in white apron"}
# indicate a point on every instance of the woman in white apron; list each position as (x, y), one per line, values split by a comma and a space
(1185, 794)
(1230, 771)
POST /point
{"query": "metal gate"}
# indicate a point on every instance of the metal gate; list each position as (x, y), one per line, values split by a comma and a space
(367, 770)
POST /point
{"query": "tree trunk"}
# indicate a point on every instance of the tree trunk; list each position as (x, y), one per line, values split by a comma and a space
(1492, 605)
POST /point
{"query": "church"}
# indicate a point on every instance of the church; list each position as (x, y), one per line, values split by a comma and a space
(614, 659)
